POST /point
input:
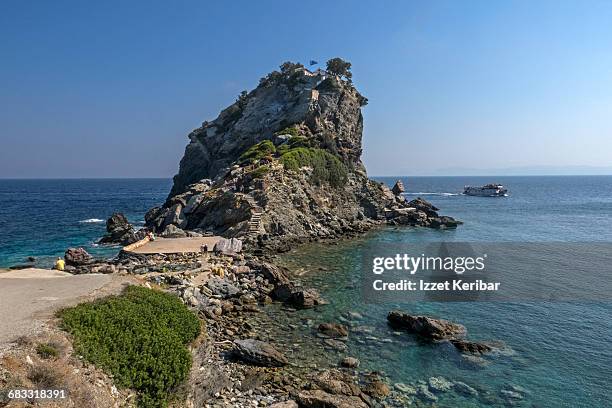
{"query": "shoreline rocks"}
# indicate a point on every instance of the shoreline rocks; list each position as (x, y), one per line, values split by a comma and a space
(77, 257)
(427, 327)
(120, 231)
(259, 353)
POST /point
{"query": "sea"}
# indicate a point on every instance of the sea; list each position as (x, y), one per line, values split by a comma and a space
(556, 353)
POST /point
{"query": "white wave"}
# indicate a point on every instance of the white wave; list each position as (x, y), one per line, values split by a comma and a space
(91, 221)
(435, 194)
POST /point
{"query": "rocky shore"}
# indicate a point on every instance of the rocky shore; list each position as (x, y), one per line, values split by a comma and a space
(278, 168)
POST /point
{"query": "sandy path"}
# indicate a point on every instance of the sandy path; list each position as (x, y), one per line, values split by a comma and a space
(29, 297)
(176, 245)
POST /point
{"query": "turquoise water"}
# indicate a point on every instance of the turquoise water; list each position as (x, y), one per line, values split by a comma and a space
(560, 352)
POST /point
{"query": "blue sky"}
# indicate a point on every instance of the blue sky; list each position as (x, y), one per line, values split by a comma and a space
(111, 89)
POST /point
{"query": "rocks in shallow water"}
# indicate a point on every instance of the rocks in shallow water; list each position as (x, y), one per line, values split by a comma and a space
(464, 389)
(258, 353)
(228, 246)
(398, 187)
(472, 347)
(513, 393)
(337, 382)
(439, 384)
(405, 388)
(349, 362)
(335, 344)
(425, 394)
(376, 387)
(430, 328)
(77, 257)
(120, 231)
(444, 222)
(274, 274)
(424, 206)
(320, 399)
(333, 330)
(305, 299)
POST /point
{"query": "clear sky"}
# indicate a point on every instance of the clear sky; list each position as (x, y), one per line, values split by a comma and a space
(111, 89)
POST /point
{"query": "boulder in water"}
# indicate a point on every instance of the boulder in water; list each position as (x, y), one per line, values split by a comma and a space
(428, 327)
(120, 231)
(333, 330)
(398, 187)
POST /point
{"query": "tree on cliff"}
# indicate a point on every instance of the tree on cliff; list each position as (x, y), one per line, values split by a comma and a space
(340, 67)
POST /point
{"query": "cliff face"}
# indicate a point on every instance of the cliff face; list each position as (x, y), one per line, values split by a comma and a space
(329, 107)
(282, 164)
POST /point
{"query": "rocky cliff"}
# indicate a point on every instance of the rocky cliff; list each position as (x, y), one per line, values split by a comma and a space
(284, 161)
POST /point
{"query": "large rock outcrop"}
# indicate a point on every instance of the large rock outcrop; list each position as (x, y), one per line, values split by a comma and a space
(283, 164)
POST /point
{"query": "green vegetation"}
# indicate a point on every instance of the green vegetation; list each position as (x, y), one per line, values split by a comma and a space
(139, 337)
(257, 152)
(47, 350)
(326, 167)
(340, 67)
(293, 143)
(291, 130)
(260, 172)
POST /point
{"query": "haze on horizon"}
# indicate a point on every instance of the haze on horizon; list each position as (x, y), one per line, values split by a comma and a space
(111, 89)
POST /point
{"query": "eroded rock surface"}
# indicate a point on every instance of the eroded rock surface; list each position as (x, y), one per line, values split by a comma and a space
(428, 327)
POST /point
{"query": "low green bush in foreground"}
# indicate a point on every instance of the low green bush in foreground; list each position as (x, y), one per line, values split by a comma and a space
(139, 337)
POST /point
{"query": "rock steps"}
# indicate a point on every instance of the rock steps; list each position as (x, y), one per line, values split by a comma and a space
(256, 213)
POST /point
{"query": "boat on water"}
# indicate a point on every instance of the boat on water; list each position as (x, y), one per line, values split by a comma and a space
(488, 190)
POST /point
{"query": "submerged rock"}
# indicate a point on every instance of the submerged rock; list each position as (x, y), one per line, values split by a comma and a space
(439, 384)
(349, 362)
(322, 399)
(472, 347)
(258, 353)
(430, 328)
(333, 330)
(464, 389)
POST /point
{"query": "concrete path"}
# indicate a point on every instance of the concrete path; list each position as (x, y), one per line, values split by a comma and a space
(176, 245)
(29, 297)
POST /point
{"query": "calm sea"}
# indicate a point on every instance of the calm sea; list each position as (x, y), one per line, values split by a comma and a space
(561, 353)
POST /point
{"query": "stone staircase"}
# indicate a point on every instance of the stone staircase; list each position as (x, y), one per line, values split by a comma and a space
(256, 213)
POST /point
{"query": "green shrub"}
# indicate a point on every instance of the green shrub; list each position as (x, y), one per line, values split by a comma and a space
(139, 337)
(47, 350)
(257, 152)
(260, 172)
(326, 167)
(291, 130)
(292, 143)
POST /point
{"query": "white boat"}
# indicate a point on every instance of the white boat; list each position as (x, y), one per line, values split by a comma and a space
(488, 190)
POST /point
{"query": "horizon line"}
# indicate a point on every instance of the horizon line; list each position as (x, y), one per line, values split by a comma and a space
(369, 176)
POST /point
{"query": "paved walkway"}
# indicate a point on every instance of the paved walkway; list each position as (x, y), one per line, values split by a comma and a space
(176, 245)
(29, 297)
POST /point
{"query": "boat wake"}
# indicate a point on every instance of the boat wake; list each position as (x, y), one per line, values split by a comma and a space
(434, 194)
(91, 221)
